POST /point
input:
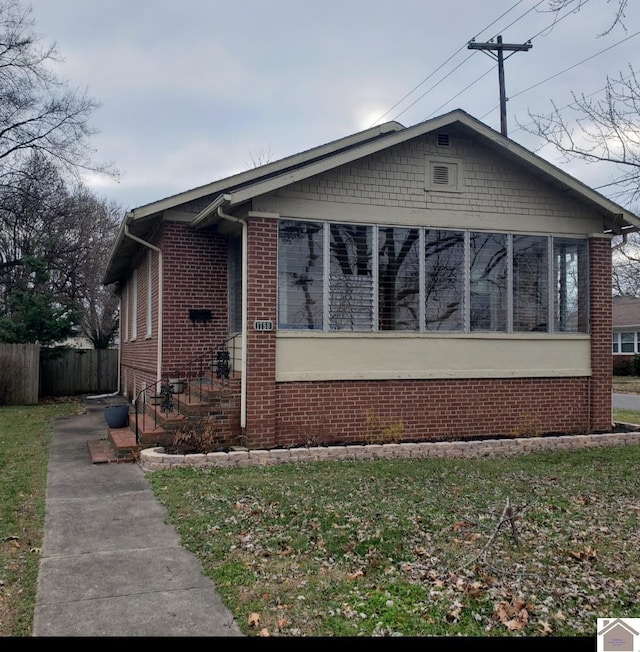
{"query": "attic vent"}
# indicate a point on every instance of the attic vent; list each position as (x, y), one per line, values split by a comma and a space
(443, 140)
(440, 175)
(444, 175)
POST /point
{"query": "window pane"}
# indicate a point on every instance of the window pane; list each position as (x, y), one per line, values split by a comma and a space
(571, 288)
(444, 280)
(488, 282)
(627, 342)
(615, 342)
(350, 279)
(530, 283)
(398, 279)
(300, 273)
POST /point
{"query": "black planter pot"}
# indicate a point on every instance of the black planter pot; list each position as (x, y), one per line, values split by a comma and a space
(117, 416)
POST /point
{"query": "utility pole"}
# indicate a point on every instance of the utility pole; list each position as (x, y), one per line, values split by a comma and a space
(500, 48)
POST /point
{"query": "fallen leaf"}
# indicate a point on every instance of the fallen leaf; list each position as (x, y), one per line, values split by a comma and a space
(355, 576)
(264, 632)
(254, 619)
(514, 624)
(544, 628)
(474, 589)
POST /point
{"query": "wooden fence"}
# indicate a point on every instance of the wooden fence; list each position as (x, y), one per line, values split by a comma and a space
(19, 374)
(79, 371)
(28, 372)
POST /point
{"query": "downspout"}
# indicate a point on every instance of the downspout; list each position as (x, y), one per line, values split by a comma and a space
(160, 301)
(243, 360)
(621, 244)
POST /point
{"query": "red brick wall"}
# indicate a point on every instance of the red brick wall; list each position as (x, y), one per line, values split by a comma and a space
(261, 345)
(194, 276)
(439, 409)
(600, 327)
(139, 355)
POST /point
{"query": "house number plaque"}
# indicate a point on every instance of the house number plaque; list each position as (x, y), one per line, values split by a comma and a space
(262, 325)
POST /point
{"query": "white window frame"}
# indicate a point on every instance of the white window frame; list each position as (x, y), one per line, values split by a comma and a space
(617, 342)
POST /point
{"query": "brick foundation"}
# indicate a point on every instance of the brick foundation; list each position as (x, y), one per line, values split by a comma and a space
(350, 411)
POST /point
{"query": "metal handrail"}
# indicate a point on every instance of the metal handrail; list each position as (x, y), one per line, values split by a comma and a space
(217, 360)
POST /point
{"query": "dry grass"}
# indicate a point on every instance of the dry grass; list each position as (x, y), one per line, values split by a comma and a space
(626, 384)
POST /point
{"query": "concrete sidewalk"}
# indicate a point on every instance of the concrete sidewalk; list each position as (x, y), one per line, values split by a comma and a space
(111, 565)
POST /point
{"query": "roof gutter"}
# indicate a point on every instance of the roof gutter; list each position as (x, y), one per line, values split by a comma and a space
(144, 243)
(245, 261)
(218, 202)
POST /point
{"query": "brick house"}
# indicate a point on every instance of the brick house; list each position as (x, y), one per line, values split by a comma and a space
(431, 282)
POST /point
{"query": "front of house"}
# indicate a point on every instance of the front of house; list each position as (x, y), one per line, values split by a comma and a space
(437, 281)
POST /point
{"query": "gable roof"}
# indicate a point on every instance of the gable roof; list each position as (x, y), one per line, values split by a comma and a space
(236, 190)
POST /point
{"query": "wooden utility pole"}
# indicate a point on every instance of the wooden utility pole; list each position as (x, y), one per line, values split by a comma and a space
(497, 50)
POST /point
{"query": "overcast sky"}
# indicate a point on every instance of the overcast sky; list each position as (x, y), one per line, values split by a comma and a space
(192, 91)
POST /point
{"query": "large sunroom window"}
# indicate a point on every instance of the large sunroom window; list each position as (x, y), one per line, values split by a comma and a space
(350, 277)
(444, 280)
(571, 288)
(488, 282)
(300, 274)
(398, 279)
(530, 283)
(356, 277)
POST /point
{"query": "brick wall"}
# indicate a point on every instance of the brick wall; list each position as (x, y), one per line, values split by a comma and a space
(195, 276)
(261, 345)
(354, 411)
(600, 328)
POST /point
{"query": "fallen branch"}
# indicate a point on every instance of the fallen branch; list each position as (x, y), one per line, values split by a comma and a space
(507, 516)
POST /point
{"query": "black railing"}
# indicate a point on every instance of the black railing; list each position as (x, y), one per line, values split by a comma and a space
(198, 380)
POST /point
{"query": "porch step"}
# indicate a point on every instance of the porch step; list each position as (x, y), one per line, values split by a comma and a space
(120, 446)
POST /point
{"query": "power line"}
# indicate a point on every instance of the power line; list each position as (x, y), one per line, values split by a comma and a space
(500, 48)
(575, 65)
(545, 29)
(442, 66)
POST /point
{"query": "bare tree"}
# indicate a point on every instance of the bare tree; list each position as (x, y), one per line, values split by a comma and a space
(556, 6)
(38, 112)
(261, 157)
(626, 266)
(68, 231)
(605, 130)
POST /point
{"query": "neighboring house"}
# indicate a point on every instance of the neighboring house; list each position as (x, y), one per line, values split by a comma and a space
(626, 326)
(437, 281)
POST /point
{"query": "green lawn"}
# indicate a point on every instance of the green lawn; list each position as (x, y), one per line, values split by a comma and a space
(418, 547)
(25, 435)
(395, 547)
